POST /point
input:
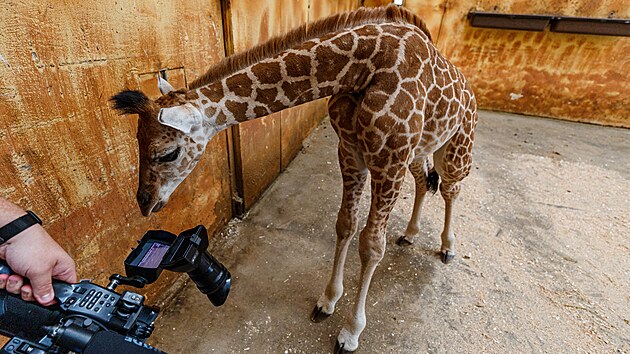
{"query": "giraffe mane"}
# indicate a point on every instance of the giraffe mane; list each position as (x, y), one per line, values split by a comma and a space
(337, 22)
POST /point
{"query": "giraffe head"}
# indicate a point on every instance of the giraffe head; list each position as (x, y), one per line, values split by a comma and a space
(172, 138)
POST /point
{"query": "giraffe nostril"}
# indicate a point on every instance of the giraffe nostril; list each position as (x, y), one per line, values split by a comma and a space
(143, 197)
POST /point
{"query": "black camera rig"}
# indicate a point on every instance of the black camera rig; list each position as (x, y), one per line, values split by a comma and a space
(89, 318)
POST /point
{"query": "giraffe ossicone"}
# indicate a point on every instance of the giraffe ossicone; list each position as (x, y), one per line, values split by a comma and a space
(164, 86)
(395, 103)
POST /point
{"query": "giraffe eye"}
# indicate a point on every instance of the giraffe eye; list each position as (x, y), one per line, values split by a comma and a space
(170, 157)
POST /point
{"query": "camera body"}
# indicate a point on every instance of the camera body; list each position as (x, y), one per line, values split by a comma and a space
(87, 314)
(83, 310)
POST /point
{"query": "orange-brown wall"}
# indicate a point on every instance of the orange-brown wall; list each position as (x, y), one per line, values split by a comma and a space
(65, 154)
(577, 77)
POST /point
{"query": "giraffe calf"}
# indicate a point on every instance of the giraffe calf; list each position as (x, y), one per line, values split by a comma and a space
(395, 101)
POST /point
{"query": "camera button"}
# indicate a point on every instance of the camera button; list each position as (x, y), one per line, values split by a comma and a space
(24, 348)
(93, 301)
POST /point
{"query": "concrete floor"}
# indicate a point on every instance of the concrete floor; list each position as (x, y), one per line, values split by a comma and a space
(543, 261)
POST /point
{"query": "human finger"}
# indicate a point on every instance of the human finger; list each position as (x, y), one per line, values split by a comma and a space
(27, 293)
(3, 280)
(41, 282)
(14, 284)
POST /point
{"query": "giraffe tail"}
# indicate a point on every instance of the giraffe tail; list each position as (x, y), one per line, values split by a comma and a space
(433, 181)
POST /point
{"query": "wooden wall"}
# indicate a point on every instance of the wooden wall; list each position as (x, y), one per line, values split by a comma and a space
(267, 145)
(65, 154)
(576, 77)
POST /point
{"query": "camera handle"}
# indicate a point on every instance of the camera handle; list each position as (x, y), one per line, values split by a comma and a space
(117, 279)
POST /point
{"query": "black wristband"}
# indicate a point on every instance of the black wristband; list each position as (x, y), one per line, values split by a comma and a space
(18, 225)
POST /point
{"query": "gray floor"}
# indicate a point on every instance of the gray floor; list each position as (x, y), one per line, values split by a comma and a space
(543, 261)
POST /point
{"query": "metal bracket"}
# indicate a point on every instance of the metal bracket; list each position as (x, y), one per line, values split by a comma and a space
(564, 24)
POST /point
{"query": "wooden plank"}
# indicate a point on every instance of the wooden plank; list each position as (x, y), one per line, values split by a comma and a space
(66, 154)
(254, 22)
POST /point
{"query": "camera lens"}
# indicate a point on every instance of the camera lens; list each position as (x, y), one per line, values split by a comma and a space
(212, 279)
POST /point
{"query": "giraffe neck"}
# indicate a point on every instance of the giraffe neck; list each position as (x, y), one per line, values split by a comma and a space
(341, 62)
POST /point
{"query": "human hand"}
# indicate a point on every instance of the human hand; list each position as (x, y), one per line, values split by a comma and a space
(35, 255)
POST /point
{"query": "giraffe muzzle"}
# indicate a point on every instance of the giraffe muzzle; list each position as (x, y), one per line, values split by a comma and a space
(148, 204)
(157, 207)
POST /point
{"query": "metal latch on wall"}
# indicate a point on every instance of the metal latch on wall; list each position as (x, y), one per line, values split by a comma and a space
(564, 24)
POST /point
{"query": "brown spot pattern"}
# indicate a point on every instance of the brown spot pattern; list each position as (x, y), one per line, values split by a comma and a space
(240, 84)
(297, 65)
(365, 48)
(213, 92)
(238, 109)
(298, 89)
(267, 73)
(221, 118)
(329, 64)
(345, 42)
(266, 96)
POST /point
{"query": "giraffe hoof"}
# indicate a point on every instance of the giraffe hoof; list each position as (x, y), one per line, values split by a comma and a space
(339, 349)
(403, 242)
(318, 315)
(447, 257)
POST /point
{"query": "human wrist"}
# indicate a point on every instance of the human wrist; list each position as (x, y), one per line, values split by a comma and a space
(14, 220)
(9, 212)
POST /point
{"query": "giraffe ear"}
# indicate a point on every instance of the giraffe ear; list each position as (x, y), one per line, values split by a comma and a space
(164, 86)
(184, 118)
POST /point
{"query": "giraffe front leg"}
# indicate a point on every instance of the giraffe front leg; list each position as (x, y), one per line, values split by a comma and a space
(354, 175)
(326, 304)
(371, 250)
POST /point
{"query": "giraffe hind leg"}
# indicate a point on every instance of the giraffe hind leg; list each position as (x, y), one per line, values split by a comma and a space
(452, 163)
(426, 180)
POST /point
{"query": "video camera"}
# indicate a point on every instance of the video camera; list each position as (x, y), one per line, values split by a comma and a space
(89, 318)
